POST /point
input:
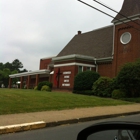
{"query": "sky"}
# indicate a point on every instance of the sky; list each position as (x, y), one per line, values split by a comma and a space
(35, 29)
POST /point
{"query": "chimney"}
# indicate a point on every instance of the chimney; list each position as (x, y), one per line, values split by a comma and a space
(79, 32)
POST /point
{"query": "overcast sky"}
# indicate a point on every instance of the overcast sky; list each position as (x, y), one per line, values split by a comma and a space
(34, 29)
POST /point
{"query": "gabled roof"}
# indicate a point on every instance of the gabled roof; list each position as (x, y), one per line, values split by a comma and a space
(97, 43)
(129, 8)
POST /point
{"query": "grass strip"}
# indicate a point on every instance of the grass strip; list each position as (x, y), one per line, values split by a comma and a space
(23, 100)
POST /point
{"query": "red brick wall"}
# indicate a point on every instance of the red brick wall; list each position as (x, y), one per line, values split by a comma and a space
(128, 52)
(105, 69)
(44, 63)
(65, 78)
(67, 75)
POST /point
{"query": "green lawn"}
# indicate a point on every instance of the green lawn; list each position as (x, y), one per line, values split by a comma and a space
(17, 101)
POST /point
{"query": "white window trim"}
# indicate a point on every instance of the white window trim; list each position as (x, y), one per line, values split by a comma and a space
(74, 63)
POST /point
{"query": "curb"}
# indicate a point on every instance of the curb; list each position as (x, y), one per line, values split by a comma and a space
(43, 124)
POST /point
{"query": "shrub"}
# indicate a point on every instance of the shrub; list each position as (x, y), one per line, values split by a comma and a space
(47, 83)
(45, 88)
(129, 79)
(84, 80)
(118, 94)
(103, 87)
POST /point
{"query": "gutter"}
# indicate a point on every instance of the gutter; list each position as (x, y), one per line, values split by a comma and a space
(66, 57)
(44, 71)
(96, 65)
(105, 59)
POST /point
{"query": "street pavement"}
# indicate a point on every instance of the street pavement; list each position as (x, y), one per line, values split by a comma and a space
(28, 121)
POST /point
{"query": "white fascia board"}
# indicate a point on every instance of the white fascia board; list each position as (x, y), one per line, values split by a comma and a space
(125, 20)
(47, 57)
(105, 59)
(72, 56)
(73, 64)
(44, 71)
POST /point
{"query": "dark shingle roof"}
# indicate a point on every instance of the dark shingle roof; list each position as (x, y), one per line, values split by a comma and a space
(129, 8)
(97, 43)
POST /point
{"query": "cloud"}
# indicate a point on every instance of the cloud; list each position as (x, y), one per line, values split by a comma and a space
(33, 29)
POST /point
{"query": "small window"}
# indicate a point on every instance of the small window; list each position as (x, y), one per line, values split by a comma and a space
(88, 68)
(125, 38)
(80, 69)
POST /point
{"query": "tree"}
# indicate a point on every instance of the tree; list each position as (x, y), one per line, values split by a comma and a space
(1, 66)
(128, 79)
(16, 64)
(4, 76)
(24, 70)
(8, 66)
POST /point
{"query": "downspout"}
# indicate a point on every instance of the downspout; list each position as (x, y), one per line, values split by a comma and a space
(96, 65)
(113, 41)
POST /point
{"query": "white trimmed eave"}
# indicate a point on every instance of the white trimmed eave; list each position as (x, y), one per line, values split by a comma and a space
(105, 59)
(82, 57)
(44, 71)
(74, 64)
(47, 58)
(125, 20)
(72, 56)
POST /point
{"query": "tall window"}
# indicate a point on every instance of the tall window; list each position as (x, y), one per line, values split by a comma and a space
(80, 69)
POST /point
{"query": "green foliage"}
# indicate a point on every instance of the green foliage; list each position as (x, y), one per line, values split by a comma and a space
(47, 83)
(4, 76)
(128, 79)
(16, 64)
(1, 66)
(45, 88)
(10, 68)
(84, 80)
(103, 87)
(118, 94)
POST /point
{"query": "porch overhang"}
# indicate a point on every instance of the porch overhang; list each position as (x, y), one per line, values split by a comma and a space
(40, 72)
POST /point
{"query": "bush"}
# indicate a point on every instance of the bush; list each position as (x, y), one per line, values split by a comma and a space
(45, 88)
(44, 83)
(118, 94)
(129, 79)
(84, 80)
(103, 87)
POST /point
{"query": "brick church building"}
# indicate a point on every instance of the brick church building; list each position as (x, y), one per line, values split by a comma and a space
(102, 50)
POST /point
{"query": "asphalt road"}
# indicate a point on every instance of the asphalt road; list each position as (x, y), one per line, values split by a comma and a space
(65, 132)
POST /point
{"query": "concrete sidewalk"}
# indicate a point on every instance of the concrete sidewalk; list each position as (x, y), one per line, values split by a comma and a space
(28, 121)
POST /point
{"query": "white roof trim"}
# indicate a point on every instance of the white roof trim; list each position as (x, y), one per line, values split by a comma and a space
(44, 71)
(119, 21)
(47, 57)
(105, 59)
(73, 64)
(73, 56)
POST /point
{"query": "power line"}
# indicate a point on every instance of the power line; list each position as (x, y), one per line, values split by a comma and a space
(106, 13)
(115, 11)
